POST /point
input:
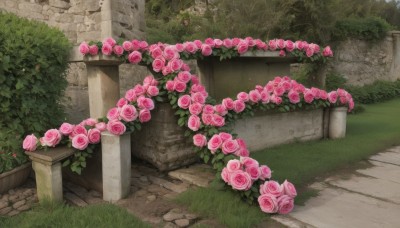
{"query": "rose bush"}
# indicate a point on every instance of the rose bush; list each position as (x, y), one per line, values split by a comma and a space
(206, 121)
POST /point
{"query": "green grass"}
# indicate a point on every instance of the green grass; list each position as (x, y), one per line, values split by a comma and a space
(370, 132)
(58, 215)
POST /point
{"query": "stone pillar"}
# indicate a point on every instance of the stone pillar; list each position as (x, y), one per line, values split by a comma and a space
(103, 83)
(116, 164)
(337, 122)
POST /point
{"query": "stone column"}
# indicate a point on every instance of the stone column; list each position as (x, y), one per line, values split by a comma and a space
(116, 164)
(103, 83)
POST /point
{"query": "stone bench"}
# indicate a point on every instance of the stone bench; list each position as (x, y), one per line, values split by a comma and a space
(47, 167)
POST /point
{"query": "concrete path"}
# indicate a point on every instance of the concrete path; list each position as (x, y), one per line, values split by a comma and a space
(369, 197)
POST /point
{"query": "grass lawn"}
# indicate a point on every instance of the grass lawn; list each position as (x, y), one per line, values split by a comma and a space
(369, 132)
(58, 215)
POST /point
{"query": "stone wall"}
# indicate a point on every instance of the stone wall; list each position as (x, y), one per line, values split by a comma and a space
(362, 62)
(85, 20)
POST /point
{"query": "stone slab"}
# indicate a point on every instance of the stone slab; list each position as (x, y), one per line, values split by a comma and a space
(388, 157)
(74, 199)
(199, 175)
(339, 208)
(51, 155)
(383, 171)
(178, 188)
(371, 186)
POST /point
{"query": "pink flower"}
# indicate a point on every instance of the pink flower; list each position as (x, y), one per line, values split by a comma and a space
(130, 95)
(255, 96)
(243, 96)
(280, 43)
(135, 45)
(225, 175)
(238, 106)
(80, 141)
(66, 128)
(84, 48)
(279, 91)
(94, 136)
(327, 52)
(175, 64)
(323, 95)
(170, 53)
(289, 189)
(285, 204)
(265, 172)
(184, 101)
(214, 143)
(218, 43)
(143, 45)
(179, 47)
(144, 115)
(225, 136)
(90, 122)
(118, 50)
(52, 137)
(29, 143)
(218, 120)
(294, 97)
(265, 97)
(220, 109)
(156, 53)
(198, 97)
(253, 171)
(332, 97)
(127, 45)
(289, 45)
(184, 76)
(158, 64)
(206, 50)
(309, 52)
(272, 45)
(152, 91)
(268, 203)
(180, 86)
(228, 103)
(78, 129)
(113, 114)
(128, 113)
(106, 49)
(191, 47)
(93, 49)
(282, 53)
(271, 187)
(240, 180)
(206, 118)
(195, 108)
(194, 123)
(208, 109)
(227, 43)
(242, 47)
(135, 57)
(116, 127)
(145, 103)
(210, 41)
(199, 140)
(308, 96)
(101, 126)
(170, 85)
(247, 161)
(230, 146)
(110, 41)
(150, 80)
(233, 165)
(299, 45)
(121, 102)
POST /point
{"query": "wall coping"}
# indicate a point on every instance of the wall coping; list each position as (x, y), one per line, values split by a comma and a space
(104, 60)
(51, 156)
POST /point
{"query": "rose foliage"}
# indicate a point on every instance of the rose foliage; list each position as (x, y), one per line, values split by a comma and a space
(207, 121)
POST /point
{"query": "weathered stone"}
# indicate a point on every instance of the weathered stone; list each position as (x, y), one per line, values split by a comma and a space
(19, 204)
(11, 192)
(144, 179)
(13, 213)
(191, 216)
(170, 225)
(14, 198)
(59, 4)
(91, 5)
(182, 222)
(388, 157)
(151, 198)
(28, 192)
(3, 204)
(141, 192)
(199, 175)
(30, 7)
(5, 210)
(168, 185)
(24, 207)
(171, 216)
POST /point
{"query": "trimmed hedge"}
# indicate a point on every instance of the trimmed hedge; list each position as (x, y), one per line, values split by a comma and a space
(370, 28)
(33, 63)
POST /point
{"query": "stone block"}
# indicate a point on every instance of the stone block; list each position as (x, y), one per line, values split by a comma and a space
(30, 7)
(59, 4)
(91, 5)
(116, 165)
(48, 181)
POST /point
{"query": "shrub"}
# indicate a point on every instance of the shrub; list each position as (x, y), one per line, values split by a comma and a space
(33, 60)
(370, 28)
(376, 92)
(334, 80)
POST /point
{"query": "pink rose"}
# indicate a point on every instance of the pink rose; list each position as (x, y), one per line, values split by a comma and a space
(194, 123)
(218, 43)
(206, 118)
(179, 47)
(225, 136)
(145, 103)
(195, 79)
(116, 127)
(93, 49)
(323, 95)
(184, 101)
(175, 64)
(242, 152)
(139, 90)
(308, 96)
(106, 49)
(272, 45)
(279, 91)
(80, 141)
(101, 126)
(118, 50)
(94, 135)
(128, 113)
(206, 50)
(113, 114)
(268, 203)
(243, 96)
(184, 76)
(327, 52)
(220, 109)
(233, 165)
(52, 137)
(198, 43)
(289, 45)
(289, 189)
(285, 204)
(127, 46)
(170, 85)
(199, 140)
(294, 97)
(198, 97)
(135, 57)
(156, 53)
(208, 109)
(242, 47)
(218, 120)
(195, 108)
(254, 96)
(265, 97)
(180, 86)
(253, 171)
(214, 143)
(230, 146)
(240, 180)
(158, 64)
(130, 95)
(299, 45)
(29, 143)
(152, 91)
(228, 103)
(84, 48)
(225, 175)
(281, 43)
(90, 122)
(210, 41)
(135, 45)
(144, 116)
(150, 80)
(78, 129)
(271, 187)
(247, 161)
(191, 47)
(66, 128)
(143, 45)
(238, 106)
(332, 97)
(170, 53)
(309, 52)
(121, 102)
(282, 53)
(227, 43)
(110, 41)
(351, 104)
(265, 172)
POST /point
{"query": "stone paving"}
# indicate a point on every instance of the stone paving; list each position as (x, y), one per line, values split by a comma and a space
(19, 199)
(368, 197)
